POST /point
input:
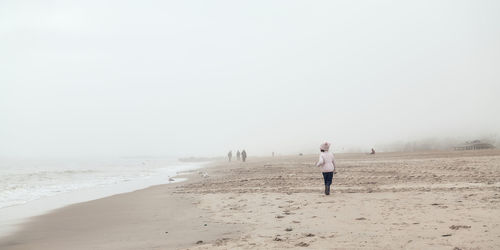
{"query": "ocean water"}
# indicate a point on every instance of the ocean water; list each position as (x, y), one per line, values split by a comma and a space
(30, 187)
(26, 180)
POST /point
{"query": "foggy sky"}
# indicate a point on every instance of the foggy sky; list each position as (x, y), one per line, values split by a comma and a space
(183, 78)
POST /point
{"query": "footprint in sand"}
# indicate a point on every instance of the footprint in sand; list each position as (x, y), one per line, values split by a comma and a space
(456, 227)
(302, 244)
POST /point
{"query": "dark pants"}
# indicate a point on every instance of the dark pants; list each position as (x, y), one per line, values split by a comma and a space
(328, 178)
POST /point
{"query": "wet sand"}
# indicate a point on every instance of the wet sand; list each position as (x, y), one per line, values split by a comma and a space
(425, 200)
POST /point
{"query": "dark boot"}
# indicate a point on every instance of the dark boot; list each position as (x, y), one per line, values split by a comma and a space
(327, 190)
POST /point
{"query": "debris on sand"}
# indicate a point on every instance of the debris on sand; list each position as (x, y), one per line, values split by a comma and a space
(456, 227)
(310, 235)
(288, 229)
(446, 235)
(171, 179)
(199, 242)
(280, 216)
(278, 239)
(361, 218)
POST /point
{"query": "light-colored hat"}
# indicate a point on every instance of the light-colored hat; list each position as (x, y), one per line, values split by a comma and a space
(325, 146)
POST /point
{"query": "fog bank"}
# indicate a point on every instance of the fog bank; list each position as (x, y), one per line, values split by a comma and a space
(198, 78)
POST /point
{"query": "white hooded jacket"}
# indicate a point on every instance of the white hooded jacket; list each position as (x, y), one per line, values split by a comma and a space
(326, 162)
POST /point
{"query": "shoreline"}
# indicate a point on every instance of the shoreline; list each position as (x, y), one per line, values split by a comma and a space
(171, 216)
(13, 217)
(417, 200)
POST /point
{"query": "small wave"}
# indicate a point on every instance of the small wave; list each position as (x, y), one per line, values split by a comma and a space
(27, 181)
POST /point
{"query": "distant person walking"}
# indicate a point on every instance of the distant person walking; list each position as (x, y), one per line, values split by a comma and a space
(230, 155)
(327, 164)
(244, 155)
(238, 155)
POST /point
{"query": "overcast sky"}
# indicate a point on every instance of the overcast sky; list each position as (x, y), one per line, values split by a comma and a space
(202, 77)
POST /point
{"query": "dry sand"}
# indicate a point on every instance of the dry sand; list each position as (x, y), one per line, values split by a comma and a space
(430, 200)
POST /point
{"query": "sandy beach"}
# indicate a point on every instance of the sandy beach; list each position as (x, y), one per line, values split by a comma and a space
(119, 120)
(421, 200)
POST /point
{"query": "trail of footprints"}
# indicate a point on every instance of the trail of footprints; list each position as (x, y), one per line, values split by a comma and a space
(354, 175)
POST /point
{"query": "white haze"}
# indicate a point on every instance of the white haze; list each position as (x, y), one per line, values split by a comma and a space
(181, 78)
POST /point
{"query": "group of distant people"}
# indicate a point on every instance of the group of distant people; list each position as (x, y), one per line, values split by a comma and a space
(239, 156)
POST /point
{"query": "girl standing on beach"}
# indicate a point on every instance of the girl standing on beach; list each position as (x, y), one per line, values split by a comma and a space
(327, 164)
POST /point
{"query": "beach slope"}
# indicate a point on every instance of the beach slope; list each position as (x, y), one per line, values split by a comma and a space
(424, 200)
